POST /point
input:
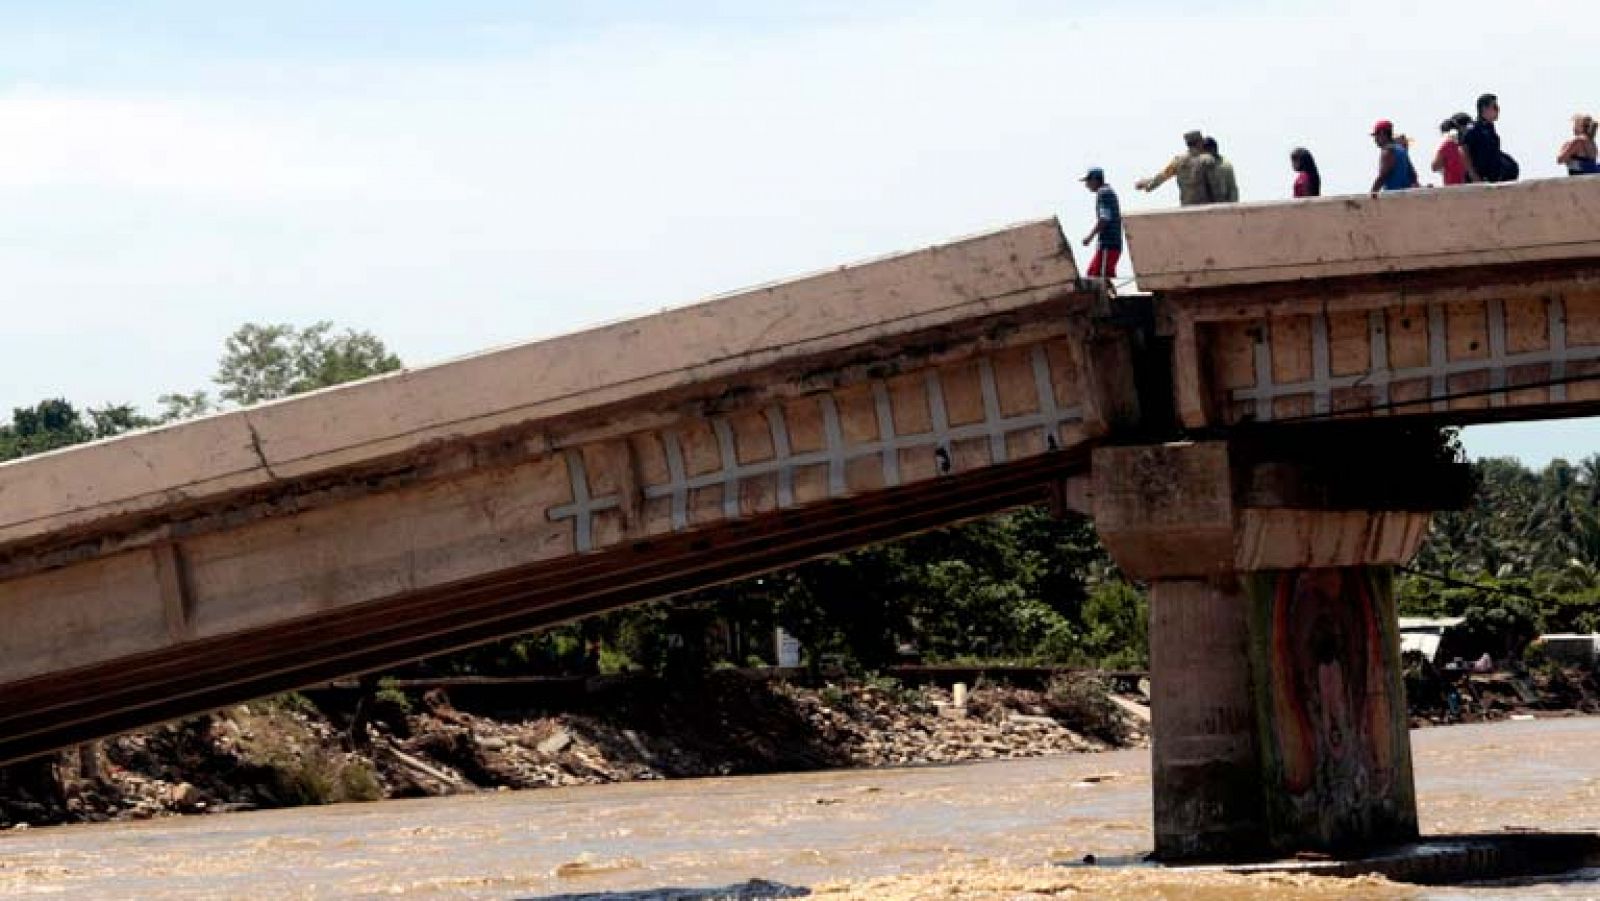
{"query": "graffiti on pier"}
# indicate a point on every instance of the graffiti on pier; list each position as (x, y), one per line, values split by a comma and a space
(1331, 709)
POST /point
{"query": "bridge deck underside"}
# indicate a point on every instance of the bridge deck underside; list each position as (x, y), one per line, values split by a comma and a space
(65, 707)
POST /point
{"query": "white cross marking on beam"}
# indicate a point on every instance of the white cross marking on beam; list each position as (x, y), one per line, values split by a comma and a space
(991, 411)
(1438, 369)
(833, 444)
(677, 480)
(1496, 313)
(1046, 388)
(836, 454)
(1438, 357)
(941, 421)
(1321, 366)
(781, 455)
(1378, 345)
(1263, 363)
(583, 507)
(730, 467)
(891, 453)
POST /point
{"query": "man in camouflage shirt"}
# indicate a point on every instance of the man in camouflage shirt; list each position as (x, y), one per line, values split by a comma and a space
(1194, 171)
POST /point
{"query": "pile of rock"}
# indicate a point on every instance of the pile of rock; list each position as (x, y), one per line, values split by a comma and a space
(887, 728)
(289, 752)
(273, 754)
(863, 725)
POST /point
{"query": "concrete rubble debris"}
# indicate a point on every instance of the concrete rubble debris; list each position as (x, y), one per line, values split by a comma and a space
(718, 727)
(555, 744)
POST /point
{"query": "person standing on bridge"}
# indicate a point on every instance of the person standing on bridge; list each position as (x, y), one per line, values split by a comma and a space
(1224, 187)
(1193, 171)
(1395, 172)
(1307, 180)
(1107, 226)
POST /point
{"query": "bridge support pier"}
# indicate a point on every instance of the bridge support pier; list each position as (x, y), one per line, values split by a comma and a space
(1278, 713)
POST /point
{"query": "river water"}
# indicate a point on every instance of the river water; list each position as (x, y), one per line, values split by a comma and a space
(800, 831)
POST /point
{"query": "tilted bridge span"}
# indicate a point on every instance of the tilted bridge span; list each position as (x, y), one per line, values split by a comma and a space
(1256, 439)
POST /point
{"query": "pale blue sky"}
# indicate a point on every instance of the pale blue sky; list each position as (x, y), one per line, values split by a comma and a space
(456, 176)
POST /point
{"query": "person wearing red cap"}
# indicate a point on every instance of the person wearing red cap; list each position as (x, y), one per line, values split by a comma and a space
(1395, 172)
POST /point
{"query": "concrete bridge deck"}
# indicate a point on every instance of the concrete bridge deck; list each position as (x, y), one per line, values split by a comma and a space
(174, 570)
(1476, 304)
(168, 572)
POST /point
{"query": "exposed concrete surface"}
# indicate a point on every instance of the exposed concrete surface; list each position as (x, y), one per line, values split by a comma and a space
(409, 515)
(403, 411)
(1204, 762)
(1232, 244)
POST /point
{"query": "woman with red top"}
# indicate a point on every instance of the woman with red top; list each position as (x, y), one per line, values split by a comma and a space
(1307, 181)
(1450, 160)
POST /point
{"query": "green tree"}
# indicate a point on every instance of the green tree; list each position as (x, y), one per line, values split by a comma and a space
(178, 406)
(1009, 587)
(55, 423)
(264, 362)
(1524, 559)
(1117, 622)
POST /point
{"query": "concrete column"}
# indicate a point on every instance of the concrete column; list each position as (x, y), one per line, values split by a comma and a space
(1333, 735)
(1278, 719)
(1204, 763)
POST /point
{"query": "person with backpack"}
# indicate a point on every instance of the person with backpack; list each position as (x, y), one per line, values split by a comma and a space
(1395, 172)
(1224, 186)
(1485, 160)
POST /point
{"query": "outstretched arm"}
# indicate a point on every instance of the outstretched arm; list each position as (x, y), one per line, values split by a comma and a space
(1160, 178)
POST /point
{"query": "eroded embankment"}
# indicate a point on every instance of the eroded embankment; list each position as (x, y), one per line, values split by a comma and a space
(291, 751)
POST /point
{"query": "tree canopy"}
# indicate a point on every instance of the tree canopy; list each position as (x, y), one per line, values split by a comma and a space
(1523, 559)
(265, 362)
(55, 423)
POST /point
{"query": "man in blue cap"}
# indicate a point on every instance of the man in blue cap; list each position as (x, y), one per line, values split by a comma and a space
(1107, 226)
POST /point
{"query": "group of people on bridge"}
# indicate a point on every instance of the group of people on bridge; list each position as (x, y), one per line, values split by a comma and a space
(1469, 153)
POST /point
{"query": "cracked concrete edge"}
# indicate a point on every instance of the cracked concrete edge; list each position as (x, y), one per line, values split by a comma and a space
(379, 418)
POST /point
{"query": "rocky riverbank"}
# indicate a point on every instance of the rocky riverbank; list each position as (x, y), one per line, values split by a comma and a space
(1438, 698)
(290, 751)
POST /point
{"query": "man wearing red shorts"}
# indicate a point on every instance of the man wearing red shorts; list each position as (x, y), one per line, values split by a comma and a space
(1107, 226)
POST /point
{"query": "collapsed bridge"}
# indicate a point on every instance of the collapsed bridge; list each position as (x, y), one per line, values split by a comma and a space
(1257, 439)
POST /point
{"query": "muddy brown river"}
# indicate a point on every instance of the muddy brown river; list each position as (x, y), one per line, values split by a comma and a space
(991, 829)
